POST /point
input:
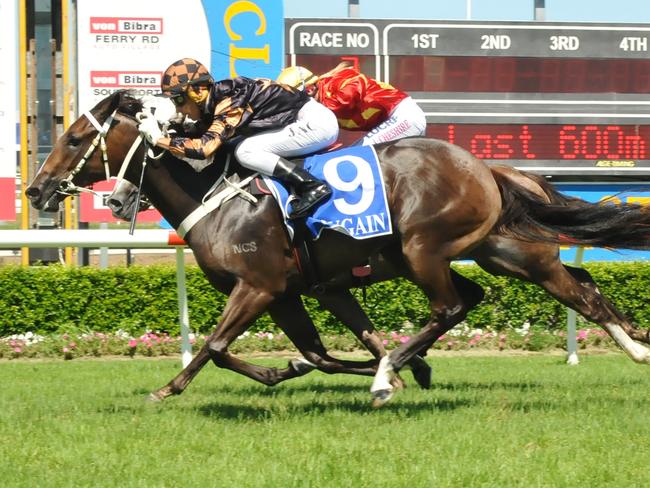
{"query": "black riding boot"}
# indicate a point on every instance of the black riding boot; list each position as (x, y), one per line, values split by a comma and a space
(310, 190)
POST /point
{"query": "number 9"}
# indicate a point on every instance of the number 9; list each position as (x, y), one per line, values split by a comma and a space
(364, 179)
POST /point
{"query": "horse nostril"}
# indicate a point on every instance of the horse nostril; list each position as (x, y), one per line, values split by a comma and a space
(114, 204)
(32, 192)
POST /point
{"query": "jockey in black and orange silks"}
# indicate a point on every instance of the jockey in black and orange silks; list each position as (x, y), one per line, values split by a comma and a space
(361, 103)
(276, 121)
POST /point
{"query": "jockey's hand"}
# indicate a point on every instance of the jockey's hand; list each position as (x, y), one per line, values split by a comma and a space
(149, 128)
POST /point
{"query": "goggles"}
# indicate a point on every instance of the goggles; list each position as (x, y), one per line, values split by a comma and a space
(178, 99)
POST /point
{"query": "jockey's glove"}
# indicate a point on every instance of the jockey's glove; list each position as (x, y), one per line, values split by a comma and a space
(149, 128)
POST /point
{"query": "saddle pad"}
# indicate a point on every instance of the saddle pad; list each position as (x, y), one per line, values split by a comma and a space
(358, 205)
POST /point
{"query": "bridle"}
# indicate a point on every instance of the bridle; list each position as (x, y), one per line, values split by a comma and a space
(209, 202)
(68, 187)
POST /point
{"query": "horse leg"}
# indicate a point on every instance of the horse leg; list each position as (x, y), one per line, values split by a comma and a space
(244, 305)
(347, 310)
(586, 299)
(585, 279)
(471, 294)
(447, 309)
(573, 287)
(290, 314)
(177, 385)
(304, 335)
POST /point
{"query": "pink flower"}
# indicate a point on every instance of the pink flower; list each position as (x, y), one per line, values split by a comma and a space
(66, 350)
(385, 342)
(18, 350)
(404, 339)
(582, 334)
(133, 343)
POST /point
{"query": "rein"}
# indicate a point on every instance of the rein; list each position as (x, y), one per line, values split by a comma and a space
(208, 203)
(67, 186)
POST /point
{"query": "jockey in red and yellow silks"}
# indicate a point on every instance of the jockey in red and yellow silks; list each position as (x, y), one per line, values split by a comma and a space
(361, 103)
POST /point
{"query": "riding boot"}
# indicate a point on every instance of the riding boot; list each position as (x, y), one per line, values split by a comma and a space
(309, 190)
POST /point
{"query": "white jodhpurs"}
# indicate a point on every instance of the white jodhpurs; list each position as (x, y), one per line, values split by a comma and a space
(407, 119)
(316, 128)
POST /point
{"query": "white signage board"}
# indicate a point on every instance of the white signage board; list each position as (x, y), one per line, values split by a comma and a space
(127, 44)
(8, 106)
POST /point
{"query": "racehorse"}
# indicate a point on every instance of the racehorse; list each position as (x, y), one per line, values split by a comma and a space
(445, 204)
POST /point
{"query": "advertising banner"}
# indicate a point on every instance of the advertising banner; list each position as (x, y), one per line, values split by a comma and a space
(247, 37)
(126, 44)
(8, 100)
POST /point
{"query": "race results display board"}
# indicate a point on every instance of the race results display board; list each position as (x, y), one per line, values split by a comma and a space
(568, 100)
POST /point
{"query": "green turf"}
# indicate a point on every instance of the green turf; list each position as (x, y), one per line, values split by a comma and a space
(487, 421)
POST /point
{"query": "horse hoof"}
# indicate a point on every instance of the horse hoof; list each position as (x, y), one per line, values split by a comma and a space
(398, 383)
(381, 397)
(154, 397)
(302, 366)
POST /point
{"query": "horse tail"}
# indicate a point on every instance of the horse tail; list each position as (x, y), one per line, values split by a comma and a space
(557, 218)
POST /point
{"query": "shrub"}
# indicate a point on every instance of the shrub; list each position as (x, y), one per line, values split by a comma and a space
(57, 300)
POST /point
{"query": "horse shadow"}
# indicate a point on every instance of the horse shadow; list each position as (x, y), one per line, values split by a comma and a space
(406, 407)
(237, 412)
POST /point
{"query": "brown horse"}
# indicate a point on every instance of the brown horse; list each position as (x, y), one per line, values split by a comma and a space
(445, 204)
(288, 313)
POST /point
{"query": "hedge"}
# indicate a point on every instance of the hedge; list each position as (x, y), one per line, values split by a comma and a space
(56, 299)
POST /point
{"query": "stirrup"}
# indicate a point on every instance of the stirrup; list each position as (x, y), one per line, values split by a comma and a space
(303, 207)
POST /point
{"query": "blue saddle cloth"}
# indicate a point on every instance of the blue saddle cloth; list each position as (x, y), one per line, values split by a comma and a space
(358, 205)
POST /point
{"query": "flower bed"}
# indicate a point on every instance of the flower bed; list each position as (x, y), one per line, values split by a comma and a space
(151, 344)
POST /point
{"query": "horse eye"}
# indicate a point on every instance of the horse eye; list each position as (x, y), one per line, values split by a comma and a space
(73, 141)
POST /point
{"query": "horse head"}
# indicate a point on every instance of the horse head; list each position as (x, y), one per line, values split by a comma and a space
(90, 150)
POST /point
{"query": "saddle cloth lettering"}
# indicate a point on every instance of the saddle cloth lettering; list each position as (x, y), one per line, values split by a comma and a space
(358, 205)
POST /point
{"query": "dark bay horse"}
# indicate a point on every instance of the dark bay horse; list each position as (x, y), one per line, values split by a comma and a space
(445, 204)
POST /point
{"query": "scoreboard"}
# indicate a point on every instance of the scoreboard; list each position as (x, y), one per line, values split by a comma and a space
(567, 100)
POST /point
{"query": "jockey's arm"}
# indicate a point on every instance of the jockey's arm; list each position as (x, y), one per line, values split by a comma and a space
(223, 126)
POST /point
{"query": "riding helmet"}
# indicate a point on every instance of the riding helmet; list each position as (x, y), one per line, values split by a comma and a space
(182, 73)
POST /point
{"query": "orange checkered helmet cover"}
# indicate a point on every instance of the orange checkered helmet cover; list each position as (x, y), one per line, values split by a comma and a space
(184, 72)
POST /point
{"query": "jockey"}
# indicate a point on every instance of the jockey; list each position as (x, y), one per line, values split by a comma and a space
(277, 122)
(361, 103)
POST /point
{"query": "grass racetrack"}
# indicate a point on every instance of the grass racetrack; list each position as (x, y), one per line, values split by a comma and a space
(527, 421)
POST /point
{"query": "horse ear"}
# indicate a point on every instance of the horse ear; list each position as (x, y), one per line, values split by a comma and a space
(115, 100)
